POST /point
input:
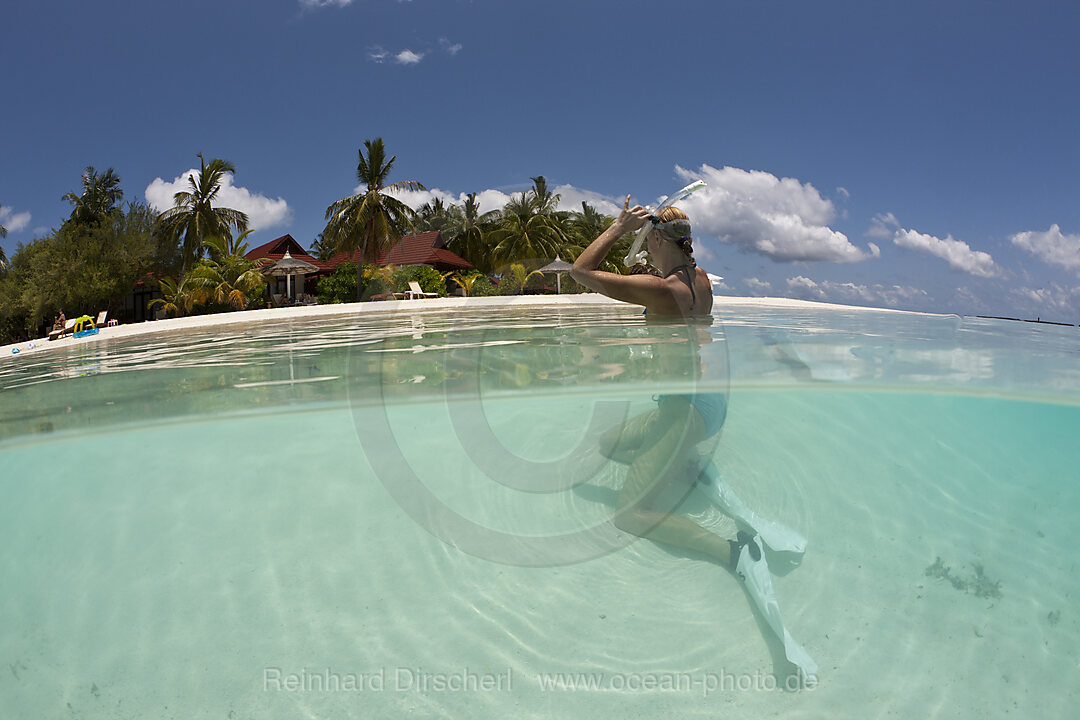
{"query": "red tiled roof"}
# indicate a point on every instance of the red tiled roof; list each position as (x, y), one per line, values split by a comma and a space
(427, 248)
(275, 250)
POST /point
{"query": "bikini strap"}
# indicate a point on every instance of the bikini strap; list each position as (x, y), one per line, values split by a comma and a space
(688, 278)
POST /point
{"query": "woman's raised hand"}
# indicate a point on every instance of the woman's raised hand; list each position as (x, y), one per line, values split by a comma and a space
(631, 218)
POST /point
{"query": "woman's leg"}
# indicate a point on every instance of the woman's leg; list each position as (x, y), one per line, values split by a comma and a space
(624, 442)
(673, 431)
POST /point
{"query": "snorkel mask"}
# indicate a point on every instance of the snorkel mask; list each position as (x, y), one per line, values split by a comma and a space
(636, 255)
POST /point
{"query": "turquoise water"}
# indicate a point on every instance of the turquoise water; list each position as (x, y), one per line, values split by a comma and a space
(368, 518)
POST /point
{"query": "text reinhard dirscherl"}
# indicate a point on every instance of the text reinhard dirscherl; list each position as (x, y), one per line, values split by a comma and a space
(410, 679)
(401, 679)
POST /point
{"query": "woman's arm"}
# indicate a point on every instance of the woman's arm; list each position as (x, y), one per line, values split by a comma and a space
(638, 289)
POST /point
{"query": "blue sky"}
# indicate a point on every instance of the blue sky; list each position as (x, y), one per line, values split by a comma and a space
(918, 155)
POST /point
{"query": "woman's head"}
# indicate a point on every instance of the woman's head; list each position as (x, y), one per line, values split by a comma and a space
(674, 227)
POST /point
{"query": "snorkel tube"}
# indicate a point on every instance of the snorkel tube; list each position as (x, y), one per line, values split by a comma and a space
(636, 254)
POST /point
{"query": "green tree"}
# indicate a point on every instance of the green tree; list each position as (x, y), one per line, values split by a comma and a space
(529, 227)
(226, 277)
(177, 300)
(468, 237)
(321, 249)
(585, 226)
(100, 197)
(193, 217)
(467, 281)
(371, 221)
(514, 278)
(3, 257)
(436, 215)
(86, 268)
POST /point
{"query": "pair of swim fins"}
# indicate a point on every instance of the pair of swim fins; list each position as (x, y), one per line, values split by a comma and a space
(751, 566)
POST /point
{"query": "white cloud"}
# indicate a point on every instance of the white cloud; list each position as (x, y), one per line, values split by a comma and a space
(883, 226)
(262, 211)
(778, 217)
(570, 198)
(956, 253)
(1062, 301)
(408, 57)
(14, 221)
(1052, 247)
(379, 55)
(757, 287)
(324, 3)
(827, 290)
(452, 48)
(843, 192)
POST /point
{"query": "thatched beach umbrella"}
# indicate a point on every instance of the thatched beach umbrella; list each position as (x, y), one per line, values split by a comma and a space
(289, 266)
(559, 267)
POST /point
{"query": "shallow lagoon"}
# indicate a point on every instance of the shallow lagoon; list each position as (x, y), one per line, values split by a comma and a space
(191, 528)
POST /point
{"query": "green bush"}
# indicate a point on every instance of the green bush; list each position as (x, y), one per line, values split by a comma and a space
(339, 287)
(512, 280)
(483, 287)
(429, 278)
(378, 280)
(257, 297)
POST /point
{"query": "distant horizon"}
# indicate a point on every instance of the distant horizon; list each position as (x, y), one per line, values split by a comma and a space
(918, 157)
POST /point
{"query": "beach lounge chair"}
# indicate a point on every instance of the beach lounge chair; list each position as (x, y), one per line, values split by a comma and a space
(100, 322)
(69, 327)
(414, 292)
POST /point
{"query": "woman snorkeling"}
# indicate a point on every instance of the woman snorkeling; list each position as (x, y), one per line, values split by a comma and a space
(659, 444)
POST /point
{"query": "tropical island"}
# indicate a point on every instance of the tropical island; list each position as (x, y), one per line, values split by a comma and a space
(133, 263)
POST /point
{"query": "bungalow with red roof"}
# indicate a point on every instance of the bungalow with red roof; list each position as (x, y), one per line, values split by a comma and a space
(426, 248)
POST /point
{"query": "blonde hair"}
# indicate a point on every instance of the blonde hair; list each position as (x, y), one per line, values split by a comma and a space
(678, 231)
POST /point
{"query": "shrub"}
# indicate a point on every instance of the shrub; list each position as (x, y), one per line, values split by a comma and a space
(339, 287)
(512, 280)
(483, 287)
(430, 279)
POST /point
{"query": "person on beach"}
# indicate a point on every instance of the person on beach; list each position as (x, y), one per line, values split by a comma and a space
(659, 444)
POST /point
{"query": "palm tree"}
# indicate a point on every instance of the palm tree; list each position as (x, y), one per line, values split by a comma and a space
(178, 298)
(193, 215)
(321, 249)
(585, 226)
(226, 276)
(100, 197)
(467, 237)
(524, 232)
(436, 215)
(3, 257)
(546, 201)
(373, 220)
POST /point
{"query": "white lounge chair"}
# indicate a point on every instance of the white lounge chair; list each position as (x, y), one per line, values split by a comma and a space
(414, 292)
(69, 327)
(100, 322)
